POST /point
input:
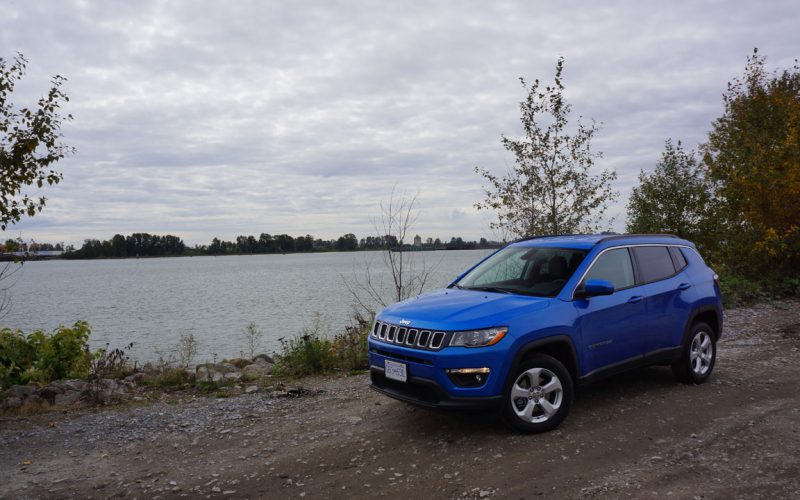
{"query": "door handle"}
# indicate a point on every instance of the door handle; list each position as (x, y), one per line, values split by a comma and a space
(635, 299)
(684, 286)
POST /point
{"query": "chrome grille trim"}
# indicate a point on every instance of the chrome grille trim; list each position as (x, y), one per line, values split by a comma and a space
(409, 337)
(424, 337)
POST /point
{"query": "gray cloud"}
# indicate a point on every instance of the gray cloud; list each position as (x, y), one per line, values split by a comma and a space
(221, 118)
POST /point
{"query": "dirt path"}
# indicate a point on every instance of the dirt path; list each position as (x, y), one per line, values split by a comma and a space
(641, 435)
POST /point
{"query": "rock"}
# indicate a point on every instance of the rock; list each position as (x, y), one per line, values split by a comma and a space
(263, 362)
(34, 402)
(74, 385)
(354, 419)
(207, 374)
(67, 398)
(251, 389)
(136, 378)
(50, 392)
(216, 374)
(106, 390)
(240, 362)
(225, 367)
(11, 402)
(265, 358)
(19, 391)
(256, 370)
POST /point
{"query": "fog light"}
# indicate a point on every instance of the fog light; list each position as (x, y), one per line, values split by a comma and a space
(467, 370)
(468, 377)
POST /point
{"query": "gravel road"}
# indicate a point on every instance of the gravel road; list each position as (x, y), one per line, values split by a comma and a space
(639, 435)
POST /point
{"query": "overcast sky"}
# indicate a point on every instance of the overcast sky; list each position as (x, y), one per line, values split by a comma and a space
(207, 119)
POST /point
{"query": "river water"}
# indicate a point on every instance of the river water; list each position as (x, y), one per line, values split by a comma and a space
(151, 302)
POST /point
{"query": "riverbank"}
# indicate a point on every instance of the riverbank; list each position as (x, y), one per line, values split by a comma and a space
(632, 436)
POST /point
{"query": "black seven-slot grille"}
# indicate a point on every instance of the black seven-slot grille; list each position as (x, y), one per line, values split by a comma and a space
(410, 337)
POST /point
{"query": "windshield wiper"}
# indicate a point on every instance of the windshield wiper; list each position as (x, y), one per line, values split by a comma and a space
(490, 289)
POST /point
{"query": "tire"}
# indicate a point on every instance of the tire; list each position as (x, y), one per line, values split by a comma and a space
(698, 356)
(538, 394)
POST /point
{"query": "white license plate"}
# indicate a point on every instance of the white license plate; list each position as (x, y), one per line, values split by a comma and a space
(395, 370)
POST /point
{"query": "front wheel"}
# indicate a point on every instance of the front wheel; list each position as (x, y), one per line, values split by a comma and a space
(698, 356)
(539, 394)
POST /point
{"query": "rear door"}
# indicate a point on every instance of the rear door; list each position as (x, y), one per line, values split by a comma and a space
(667, 291)
(612, 326)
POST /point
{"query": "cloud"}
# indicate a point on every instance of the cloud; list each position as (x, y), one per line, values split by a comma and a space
(212, 119)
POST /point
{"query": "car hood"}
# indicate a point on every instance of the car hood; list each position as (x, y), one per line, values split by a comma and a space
(454, 309)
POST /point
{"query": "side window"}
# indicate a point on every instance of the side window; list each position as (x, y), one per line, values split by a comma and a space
(654, 262)
(615, 267)
(678, 258)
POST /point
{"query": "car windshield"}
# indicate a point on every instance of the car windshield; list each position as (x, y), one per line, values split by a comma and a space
(539, 271)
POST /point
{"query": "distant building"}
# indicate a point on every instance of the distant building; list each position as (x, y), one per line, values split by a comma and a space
(417, 243)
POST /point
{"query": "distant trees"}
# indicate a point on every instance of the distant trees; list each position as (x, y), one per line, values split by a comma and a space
(674, 198)
(30, 144)
(135, 245)
(550, 189)
(347, 242)
(149, 245)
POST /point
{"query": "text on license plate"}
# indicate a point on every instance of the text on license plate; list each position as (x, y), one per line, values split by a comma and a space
(395, 370)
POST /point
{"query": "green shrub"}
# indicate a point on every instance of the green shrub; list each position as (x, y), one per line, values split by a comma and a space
(170, 377)
(311, 352)
(305, 354)
(740, 291)
(41, 357)
(350, 347)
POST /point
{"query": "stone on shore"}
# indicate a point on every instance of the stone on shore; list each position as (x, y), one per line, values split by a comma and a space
(259, 369)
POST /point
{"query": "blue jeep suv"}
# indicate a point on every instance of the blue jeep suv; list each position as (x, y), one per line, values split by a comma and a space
(522, 327)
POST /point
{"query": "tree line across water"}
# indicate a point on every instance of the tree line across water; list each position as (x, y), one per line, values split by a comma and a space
(153, 245)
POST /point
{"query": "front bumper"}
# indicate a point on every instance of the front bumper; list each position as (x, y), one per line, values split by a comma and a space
(428, 393)
(428, 384)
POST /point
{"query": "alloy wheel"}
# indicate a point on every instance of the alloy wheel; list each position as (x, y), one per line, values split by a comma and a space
(536, 395)
(701, 353)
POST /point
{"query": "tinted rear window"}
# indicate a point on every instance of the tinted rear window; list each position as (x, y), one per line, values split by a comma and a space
(678, 258)
(655, 263)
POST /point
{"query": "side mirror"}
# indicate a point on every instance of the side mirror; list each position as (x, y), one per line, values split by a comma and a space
(593, 288)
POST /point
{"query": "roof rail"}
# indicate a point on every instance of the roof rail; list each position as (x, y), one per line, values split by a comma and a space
(644, 235)
(549, 236)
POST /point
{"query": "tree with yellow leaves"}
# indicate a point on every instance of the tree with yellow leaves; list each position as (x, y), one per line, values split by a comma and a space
(753, 163)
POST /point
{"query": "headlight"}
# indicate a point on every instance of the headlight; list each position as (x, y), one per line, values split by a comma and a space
(478, 338)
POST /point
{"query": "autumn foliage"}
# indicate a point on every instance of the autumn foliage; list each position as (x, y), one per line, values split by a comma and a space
(753, 164)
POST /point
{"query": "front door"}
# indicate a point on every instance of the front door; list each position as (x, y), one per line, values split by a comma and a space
(612, 327)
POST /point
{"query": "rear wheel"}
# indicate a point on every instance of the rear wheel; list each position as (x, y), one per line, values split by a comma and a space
(698, 356)
(539, 394)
